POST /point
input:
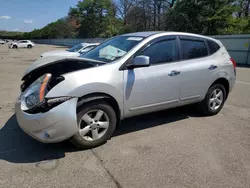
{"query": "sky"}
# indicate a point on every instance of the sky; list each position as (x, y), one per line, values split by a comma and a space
(26, 15)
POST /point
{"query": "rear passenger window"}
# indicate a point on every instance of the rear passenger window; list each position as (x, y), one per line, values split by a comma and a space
(213, 46)
(193, 49)
(161, 52)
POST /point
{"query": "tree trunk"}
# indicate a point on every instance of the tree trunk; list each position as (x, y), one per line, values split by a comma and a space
(247, 8)
(154, 23)
(159, 17)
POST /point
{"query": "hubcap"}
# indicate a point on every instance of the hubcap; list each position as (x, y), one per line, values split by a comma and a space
(216, 99)
(93, 125)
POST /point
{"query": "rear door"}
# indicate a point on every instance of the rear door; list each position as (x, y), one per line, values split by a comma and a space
(198, 68)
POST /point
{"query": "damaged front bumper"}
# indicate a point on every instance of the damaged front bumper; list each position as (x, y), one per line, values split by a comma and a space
(55, 125)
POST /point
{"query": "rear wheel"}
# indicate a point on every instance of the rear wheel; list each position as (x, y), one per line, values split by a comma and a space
(214, 100)
(15, 47)
(96, 123)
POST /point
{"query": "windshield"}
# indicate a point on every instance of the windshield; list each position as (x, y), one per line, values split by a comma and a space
(113, 49)
(75, 48)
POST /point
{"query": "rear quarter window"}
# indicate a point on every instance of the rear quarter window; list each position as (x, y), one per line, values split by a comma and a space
(213, 46)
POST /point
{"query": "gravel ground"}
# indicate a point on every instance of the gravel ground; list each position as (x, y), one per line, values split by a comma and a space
(173, 148)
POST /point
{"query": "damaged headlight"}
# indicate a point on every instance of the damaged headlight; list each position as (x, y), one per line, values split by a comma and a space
(35, 93)
(33, 98)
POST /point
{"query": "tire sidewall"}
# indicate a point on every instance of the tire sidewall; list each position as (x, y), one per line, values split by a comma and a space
(211, 89)
(102, 105)
(29, 46)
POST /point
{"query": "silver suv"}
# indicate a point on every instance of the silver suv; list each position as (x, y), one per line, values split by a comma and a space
(83, 99)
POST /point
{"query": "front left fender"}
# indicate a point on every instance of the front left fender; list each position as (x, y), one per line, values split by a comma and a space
(72, 88)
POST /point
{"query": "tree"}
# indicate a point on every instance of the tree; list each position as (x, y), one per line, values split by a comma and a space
(200, 16)
(96, 18)
(123, 8)
(106, 18)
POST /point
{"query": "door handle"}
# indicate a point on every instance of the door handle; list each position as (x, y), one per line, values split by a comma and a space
(212, 67)
(174, 73)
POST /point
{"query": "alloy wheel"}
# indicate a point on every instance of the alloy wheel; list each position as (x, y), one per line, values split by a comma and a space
(93, 125)
(216, 99)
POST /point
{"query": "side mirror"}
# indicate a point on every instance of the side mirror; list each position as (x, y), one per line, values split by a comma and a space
(140, 61)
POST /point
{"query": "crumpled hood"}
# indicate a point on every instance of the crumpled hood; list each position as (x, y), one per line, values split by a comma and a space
(44, 61)
(59, 53)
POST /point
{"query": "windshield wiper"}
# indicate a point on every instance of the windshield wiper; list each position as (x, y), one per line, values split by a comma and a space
(92, 60)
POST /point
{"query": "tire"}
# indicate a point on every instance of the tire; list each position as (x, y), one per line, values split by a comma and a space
(83, 140)
(207, 106)
(29, 46)
(14, 47)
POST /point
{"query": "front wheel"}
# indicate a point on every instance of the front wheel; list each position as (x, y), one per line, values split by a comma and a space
(96, 123)
(214, 100)
(29, 46)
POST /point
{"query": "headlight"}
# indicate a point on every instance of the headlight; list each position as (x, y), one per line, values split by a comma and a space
(35, 93)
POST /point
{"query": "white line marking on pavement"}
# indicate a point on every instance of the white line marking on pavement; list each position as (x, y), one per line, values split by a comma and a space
(241, 82)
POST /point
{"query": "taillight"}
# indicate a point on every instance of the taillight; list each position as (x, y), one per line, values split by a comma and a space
(234, 63)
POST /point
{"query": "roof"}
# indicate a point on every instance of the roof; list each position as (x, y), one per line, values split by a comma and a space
(150, 33)
(89, 43)
(143, 34)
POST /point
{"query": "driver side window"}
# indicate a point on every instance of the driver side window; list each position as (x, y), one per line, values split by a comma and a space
(161, 52)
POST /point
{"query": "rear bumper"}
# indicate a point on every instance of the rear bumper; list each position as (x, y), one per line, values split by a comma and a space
(56, 125)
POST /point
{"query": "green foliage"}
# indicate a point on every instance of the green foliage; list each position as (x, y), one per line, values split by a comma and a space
(10, 35)
(97, 18)
(236, 26)
(200, 16)
(59, 29)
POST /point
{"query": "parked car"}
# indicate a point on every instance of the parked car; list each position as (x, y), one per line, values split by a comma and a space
(83, 99)
(75, 51)
(2, 41)
(21, 44)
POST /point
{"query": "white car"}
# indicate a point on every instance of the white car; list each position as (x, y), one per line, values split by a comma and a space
(2, 41)
(75, 51)
(21, 44)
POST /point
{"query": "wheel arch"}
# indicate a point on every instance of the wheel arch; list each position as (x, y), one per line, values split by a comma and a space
(101, 96)
(224, 82)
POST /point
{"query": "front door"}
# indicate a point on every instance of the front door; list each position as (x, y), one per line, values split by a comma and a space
(156, 87)
(22, 44)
